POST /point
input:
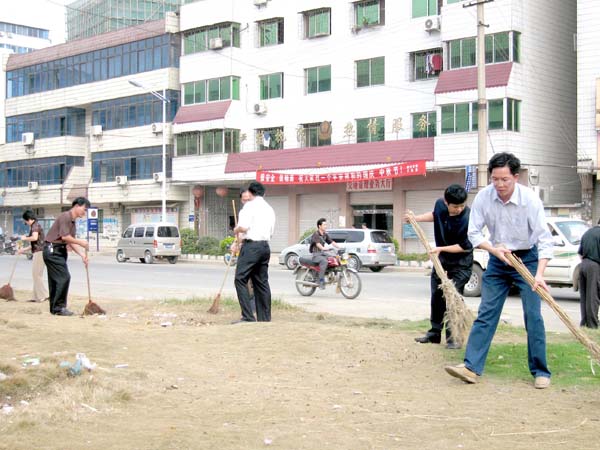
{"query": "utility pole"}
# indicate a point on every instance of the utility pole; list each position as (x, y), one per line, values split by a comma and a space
(482, 121)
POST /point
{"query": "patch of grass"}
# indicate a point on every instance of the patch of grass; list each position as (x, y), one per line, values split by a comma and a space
(226, 303)
(25, 384)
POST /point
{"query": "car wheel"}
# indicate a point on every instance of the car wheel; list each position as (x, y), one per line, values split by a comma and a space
(354, 262)
(142, 260)
(148, 258)
(121, 256)
(291, 261)
(172, 259)
(376, 268)
(473, 286)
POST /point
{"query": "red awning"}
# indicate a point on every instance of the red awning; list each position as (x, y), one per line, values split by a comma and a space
(385, 152)
(202, 112)
(466, 79)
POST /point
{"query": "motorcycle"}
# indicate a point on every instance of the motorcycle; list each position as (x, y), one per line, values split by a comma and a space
(8, 244)
(337, 272)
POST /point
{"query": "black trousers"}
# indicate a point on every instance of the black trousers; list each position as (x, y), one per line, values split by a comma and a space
(460, 276)
(253, 264)
(59, 277)
(589, 290)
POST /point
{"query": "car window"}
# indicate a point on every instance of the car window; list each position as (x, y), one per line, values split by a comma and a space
(381, 237)
(168, 232)
(128, 232)
(573, 230)
(139, 232)
(149, 232)
(355, 236)
(338, 236)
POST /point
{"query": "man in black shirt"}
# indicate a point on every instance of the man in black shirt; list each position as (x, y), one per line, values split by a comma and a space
(589, 277)
(317, 246)
(450, 219)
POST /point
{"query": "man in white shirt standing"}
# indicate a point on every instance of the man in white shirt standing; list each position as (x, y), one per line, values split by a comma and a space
(257, 222)
(514, 216)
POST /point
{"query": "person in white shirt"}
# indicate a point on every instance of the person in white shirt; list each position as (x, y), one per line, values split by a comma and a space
(257, 223)
(514, 216)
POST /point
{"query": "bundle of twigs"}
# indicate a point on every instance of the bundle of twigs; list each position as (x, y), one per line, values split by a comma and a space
(590, 345)
(458, 317)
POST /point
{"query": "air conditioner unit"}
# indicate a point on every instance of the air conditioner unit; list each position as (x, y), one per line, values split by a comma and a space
(157, 128)
(32, 185)
(96, 130)
(433, 24)
(158, 177)
(27, 139)
(260, 2)
(121, 180)
(260, 108)
(215, 43)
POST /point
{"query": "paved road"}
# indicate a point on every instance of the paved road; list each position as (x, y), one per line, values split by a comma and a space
(393, 293)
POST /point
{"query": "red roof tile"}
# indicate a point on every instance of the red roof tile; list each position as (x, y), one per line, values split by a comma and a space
(466, 79)
(202, 113)
(332, 155)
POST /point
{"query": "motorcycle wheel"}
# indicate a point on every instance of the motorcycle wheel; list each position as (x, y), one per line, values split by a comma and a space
(306, 275)
(350, 284)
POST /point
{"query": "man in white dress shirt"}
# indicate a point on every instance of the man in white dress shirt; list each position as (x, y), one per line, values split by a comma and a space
(257, 223)
(514, 216)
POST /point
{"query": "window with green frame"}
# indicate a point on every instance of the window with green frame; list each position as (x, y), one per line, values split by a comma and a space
(422, 8)
(213, 90)
(424, 67)
(318, 79)
(317, 23)
(513, 114)
(455, 118)
(370, 129)
(312, 137)
(269, 138)
(208, 142)
(198, 40)
(497, 48)
(462, 53)
(495, 113)
(424, 124)
(370, 72)
(271, 86)
(368, 13)
(270, 32)
(516, 46)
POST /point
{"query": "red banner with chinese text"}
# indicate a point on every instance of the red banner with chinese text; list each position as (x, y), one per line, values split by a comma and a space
(393, 171)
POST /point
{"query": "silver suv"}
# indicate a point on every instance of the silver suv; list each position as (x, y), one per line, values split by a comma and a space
(366, 248)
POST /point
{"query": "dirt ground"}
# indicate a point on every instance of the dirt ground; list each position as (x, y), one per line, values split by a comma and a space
(303, 381)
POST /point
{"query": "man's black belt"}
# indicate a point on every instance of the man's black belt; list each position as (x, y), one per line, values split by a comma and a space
(55, 244)
(246, 241)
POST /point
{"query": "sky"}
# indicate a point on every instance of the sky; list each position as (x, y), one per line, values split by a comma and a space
(47, 14)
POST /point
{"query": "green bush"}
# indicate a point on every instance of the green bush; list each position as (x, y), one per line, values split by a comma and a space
(396, 245)
(208, 245)
(225, 243)
(413, 256)
(307, 233)
(189, 241)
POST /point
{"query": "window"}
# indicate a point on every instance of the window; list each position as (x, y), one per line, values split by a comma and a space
(139, 232)
(318, 79)
(45, 171)
(317, 23)
(496, 48)
(513, 114)
(424, 124)
(149, 232)
(213, 90)
(135, 163)
(271, 86)
(455, 118)
(207, 142)
(495, 114)
(422, 8)
(369, 13)
(128, 233)
(370, 72)
(427, 64)
(199, 40)
(270, 32)
(462, 53)
(516, 46)
(371, 129)
(46, 124)
(312, 136)
(269, 138)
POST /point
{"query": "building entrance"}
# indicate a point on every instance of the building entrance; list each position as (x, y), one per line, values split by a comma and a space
(380, 217)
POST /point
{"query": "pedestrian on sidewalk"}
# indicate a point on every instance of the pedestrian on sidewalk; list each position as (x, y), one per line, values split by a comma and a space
(36, 238)
(60, 238)
(450, 217)
(589, 277)
(514, 216)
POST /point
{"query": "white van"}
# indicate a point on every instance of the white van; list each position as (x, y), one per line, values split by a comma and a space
(147, 241)
(563, 268)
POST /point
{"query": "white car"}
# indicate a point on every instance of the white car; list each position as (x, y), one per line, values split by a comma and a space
(563, 268)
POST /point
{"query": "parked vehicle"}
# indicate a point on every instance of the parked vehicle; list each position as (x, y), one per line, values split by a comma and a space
(366, 248)
(147, 241)
(563, 268)
(8, 245)
(338, 272)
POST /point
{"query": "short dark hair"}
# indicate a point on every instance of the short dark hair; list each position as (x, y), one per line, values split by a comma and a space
(81, 201)
(242, 190)
(505, 159)
(256, 188)
(320, 221)
(29, 215)
(455, 194)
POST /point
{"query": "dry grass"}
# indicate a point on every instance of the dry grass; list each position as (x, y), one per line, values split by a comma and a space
(303, 381)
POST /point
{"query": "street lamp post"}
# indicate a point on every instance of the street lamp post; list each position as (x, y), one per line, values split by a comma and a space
(163, 98)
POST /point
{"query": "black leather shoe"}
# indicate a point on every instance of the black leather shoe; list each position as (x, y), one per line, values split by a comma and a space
(429, 338)
(63, 312)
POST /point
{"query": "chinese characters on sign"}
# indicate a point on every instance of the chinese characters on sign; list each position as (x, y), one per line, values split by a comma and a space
(369, 185)
(392, 171)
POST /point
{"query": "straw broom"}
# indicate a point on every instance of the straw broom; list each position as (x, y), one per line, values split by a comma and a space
(6, 291)
(590, 345)
(458, 317)
(214, 309)
(91, 308)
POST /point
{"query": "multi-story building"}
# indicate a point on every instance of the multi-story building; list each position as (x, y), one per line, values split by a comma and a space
(76, 126)
(588, 105)
(346, 91)
(87, 18)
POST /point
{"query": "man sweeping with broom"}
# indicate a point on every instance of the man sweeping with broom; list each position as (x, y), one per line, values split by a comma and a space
(450, 217)
(514, 216)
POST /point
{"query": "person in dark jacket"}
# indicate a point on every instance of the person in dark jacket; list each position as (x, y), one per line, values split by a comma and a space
(589, 277)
